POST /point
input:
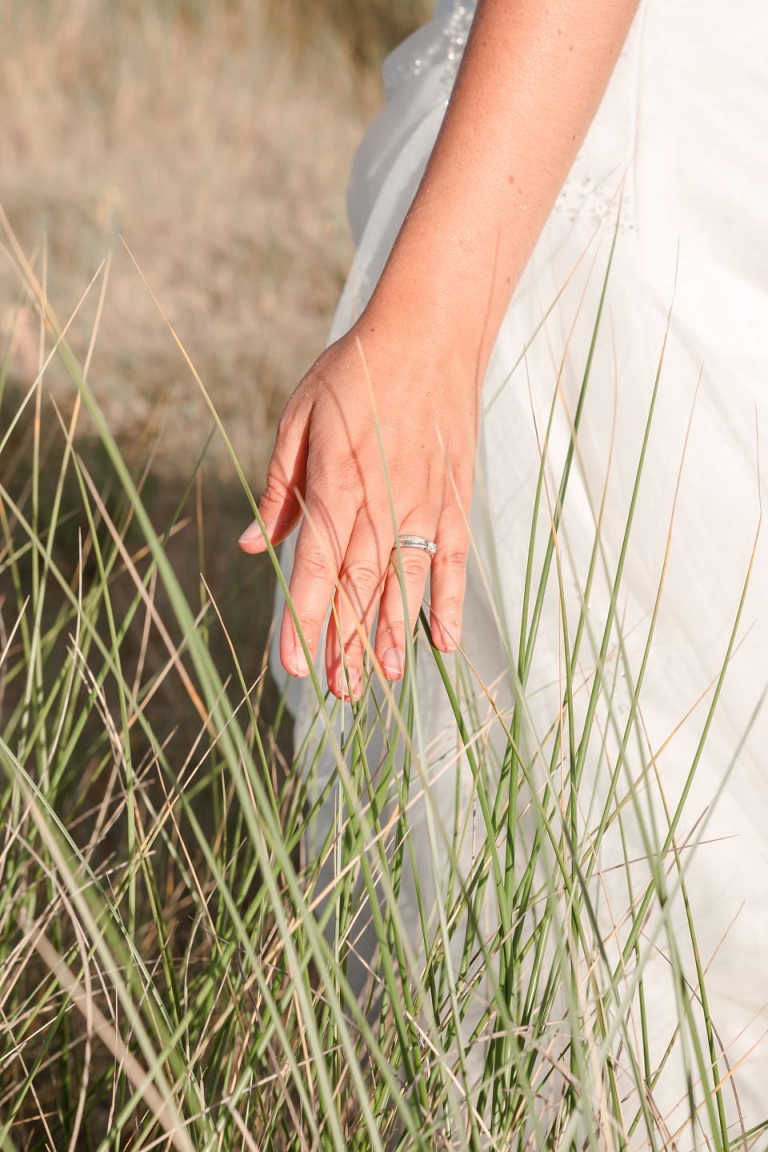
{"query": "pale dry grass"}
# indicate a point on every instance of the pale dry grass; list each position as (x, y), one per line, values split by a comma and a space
(220, 162)
(367, 28)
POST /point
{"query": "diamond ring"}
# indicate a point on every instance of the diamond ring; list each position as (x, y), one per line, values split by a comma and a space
(418, 542)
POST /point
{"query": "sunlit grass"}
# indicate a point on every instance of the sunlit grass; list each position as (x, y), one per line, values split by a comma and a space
(195, 957)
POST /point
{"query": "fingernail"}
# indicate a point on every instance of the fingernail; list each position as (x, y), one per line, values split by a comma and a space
(252, 535)
(393, 663)
(299, 662)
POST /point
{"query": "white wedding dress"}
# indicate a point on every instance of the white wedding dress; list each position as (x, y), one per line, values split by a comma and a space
(675, 171)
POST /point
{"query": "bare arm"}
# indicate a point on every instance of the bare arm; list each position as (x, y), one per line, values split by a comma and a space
(532, 78)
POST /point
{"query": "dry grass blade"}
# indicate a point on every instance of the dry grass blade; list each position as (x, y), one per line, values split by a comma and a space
(101, 1026)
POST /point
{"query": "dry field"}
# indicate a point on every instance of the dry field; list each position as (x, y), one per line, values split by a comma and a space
(202, 148)
(213, 142)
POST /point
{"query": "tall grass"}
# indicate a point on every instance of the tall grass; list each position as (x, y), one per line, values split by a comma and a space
(178, 971)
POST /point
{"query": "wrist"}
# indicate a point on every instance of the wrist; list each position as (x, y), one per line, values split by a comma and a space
(435, 330)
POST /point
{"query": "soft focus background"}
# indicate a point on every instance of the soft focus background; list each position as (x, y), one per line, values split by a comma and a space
(212, 139)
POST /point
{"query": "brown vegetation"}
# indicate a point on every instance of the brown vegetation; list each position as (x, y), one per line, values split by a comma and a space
(187, 130)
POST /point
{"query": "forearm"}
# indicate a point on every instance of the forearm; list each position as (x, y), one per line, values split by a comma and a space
(531, 81)
(532, 78)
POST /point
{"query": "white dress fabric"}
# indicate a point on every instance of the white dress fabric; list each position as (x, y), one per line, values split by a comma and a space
(675, 171)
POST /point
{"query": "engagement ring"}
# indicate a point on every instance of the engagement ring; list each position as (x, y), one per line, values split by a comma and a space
(418, 542)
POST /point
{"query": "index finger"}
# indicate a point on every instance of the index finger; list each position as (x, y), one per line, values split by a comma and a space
(320, 547)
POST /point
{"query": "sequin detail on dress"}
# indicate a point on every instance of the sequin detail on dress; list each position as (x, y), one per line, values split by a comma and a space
(599, 202)
(415, 56)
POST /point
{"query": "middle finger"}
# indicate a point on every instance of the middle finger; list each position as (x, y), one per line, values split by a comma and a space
(358, 592)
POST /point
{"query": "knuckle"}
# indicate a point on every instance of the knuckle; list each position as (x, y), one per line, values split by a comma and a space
(306, 624)
(364, 578)
(390, 631)
(308, 627)
(351, 635)
(277, 490)
(451, 558)
(415, 568)
(314, 565)
(354, 647)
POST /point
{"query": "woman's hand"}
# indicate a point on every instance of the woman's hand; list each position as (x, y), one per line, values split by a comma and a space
(532, 77)
(377, 441)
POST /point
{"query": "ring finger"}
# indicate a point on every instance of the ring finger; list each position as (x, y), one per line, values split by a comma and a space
(400, 602)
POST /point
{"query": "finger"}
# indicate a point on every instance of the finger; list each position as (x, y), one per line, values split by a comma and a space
(448, 580)
(321, 543)
(360, 585)
(402, 598)
(280, 505)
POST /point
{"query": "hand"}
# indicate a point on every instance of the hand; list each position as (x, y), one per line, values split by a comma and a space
(357, 488)
(531, 80)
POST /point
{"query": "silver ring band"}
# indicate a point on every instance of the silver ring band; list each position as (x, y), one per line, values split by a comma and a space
(418, 542)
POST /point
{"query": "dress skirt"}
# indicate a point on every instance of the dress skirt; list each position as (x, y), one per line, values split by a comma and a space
(617, 600)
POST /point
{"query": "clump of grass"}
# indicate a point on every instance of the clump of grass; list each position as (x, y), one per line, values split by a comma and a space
(178, 973)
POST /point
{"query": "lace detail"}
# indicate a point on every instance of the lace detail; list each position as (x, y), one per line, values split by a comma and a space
(582, 198)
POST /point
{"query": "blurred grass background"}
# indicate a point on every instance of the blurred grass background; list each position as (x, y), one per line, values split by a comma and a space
(213, 137)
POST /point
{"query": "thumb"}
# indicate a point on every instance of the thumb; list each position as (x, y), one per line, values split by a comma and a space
(280, 506)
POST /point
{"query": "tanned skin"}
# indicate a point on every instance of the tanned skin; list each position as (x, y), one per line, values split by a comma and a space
(532, 77)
